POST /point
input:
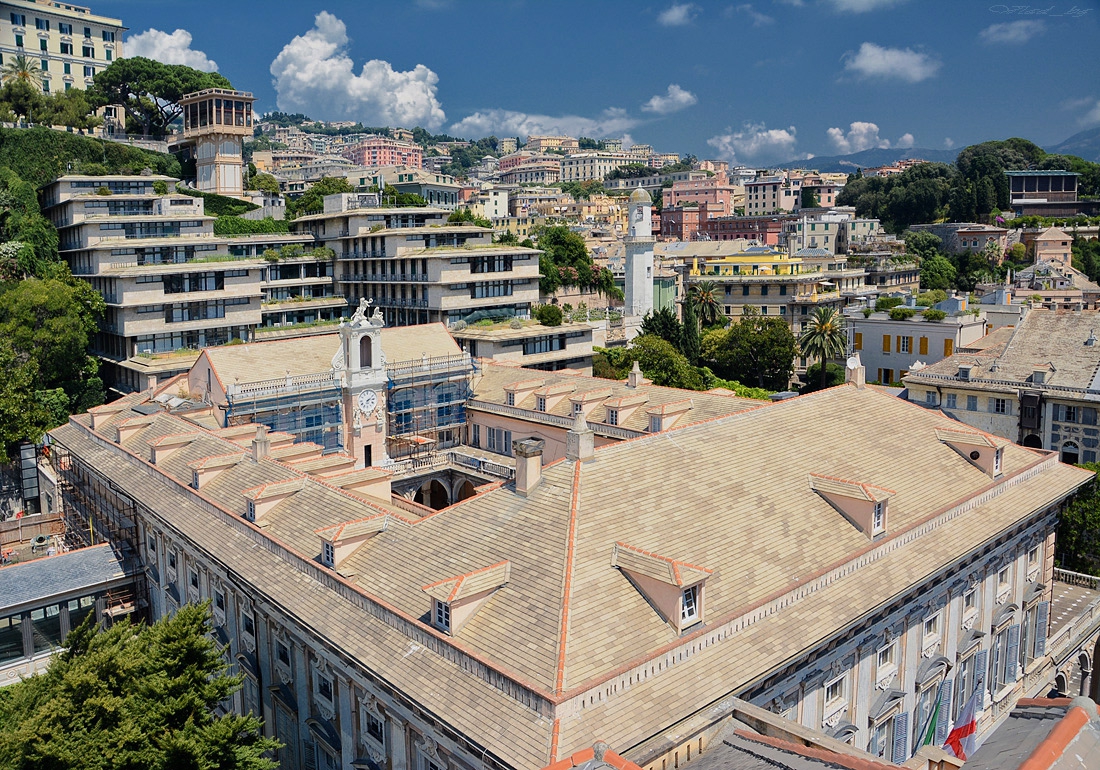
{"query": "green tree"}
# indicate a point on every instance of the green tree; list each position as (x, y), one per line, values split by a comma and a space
(23, 100)
(809, 199)
(1079, 529)
(708, 305)
(922, 244)
(565, 261)
(150, 91)
(824, 337)
(691, 345)
(937, 273)
(549, 315)
(132, 697)
(312, 201)
(756, 350)
(71, 108)
(665, 325)
(834, 375)
(51, 323)
(664, 364)
(22, 68)
(465, 215)
(22, 418)
(264, 183)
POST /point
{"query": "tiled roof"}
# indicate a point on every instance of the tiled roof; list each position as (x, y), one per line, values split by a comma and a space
(709, 494)
(1043, 337)
(1043, 734)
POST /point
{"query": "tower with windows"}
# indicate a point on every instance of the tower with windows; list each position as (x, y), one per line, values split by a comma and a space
(216, 122)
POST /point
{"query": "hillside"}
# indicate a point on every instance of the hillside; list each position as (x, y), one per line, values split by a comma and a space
(1085, 144)
(869, 159)
(39, 155)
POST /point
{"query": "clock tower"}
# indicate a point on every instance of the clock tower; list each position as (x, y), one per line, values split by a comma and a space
(360, 368)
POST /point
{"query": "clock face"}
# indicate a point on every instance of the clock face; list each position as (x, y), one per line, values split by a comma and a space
(367, 400)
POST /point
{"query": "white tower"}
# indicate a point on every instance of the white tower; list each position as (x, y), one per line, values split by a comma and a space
(639, 256)
(360, 367)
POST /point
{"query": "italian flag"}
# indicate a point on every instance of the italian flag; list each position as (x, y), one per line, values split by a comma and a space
(962, 741)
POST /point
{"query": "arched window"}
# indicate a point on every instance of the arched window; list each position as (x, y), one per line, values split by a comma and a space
(1033, 441)
(1071, 455)
(366, 360)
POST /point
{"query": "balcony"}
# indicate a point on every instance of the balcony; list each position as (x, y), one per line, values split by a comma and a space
(399, 302)
(361, 255)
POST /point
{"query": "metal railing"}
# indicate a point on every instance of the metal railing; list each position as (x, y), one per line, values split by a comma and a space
(385, 277)
(399, 302)
(437, 460)
(362, 255)
(458, 362)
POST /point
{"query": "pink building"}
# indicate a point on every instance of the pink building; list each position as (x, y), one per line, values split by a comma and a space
(764, 230)
(383, 151)
(714, 191)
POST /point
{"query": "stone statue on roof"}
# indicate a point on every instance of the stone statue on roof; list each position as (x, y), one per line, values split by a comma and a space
(361, 313)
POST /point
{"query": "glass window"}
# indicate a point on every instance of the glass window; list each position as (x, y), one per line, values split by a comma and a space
(328, 554)
(951, 401)
(834, 690)
(282, 652)
(971, 403)
(879, 523)
(324, 688)
(46, 627)
(443, 615)
(11, 639)
(64, 29)
(689, 605)
(42, 24)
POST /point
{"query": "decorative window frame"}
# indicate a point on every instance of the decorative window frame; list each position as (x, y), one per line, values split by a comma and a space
(931, 640)
(375, 748)
(326, 706)
(832, 710)
(886, 673)
(285, 671)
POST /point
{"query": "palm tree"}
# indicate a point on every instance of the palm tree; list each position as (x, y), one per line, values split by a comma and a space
(22, 68)
(704, 296)
(824, 337)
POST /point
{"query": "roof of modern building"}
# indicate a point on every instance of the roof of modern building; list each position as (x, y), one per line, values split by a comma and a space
(257, 361)
(991, 344)
(41, 579)
(1043, 734)
(706, 494)
(1057, 340)
(506, 332)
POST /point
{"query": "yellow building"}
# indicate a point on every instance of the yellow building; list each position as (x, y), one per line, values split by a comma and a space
(750, 262)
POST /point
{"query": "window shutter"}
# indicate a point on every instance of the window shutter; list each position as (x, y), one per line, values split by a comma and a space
(1058, 413)
(1042, 617)
(944, 718)
(948, 347)
(923, 346)
(1088, 415)
(886, 343)
(981, 662)
(1012, 653)
(910, 344)
(897, 344)
(901, 737)
(859, 345)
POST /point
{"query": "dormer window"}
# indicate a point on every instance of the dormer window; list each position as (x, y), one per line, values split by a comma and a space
(442, 615)
(328, 554)
(577, 409)
(878, 523)
(194, 479)
(250, 511)
(612, 416)
(689, 606)
(654, 423)
(997, 461)
(510, 397)
(540, 403)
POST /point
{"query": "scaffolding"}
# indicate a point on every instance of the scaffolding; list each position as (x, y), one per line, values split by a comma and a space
(426, 403)
(309, 407)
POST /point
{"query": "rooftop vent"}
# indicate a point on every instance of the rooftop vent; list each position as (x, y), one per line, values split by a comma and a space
(1091, 341)
(964, 371)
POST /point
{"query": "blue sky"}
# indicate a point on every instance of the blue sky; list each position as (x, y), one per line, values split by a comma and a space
(752, 82)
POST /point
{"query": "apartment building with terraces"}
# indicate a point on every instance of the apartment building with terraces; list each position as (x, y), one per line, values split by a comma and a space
(416, 267)
(169, 282)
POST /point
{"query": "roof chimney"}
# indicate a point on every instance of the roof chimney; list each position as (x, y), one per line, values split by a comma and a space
(855, 372)
(580, 441)
(636, 378)
(528, 454)
(261, 444)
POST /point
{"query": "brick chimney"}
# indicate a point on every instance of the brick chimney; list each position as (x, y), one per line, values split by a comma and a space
(261, 444)
(528, 454)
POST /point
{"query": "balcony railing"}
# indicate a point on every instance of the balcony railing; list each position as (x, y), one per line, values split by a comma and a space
(399, 302)
(1077, 579)
(600, 429)
(385, 277)
(362, 255)
(414, 465)
(279, 385)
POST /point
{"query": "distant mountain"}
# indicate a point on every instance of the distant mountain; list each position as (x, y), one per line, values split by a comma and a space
(1085, 144)
(869, 159)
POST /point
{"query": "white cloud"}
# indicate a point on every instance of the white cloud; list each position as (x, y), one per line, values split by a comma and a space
(677, 15)
(758, 19)
(875, 61)
(755, 141)
(862, 6)
(1012, 31)
(314, 74)
(1092, 116)
(674, 100)
(861, 136)
(613, 122)
(169, 48)
(948, 142)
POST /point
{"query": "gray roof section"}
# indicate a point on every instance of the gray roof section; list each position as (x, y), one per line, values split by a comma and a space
(735, 752)
(1028, 726)
(66, 573)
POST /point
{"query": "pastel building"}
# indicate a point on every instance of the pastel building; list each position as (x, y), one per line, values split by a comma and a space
(70, 43)
(383, 151)
(216, 122)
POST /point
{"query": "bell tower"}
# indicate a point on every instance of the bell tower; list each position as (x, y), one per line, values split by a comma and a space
(360, 368)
